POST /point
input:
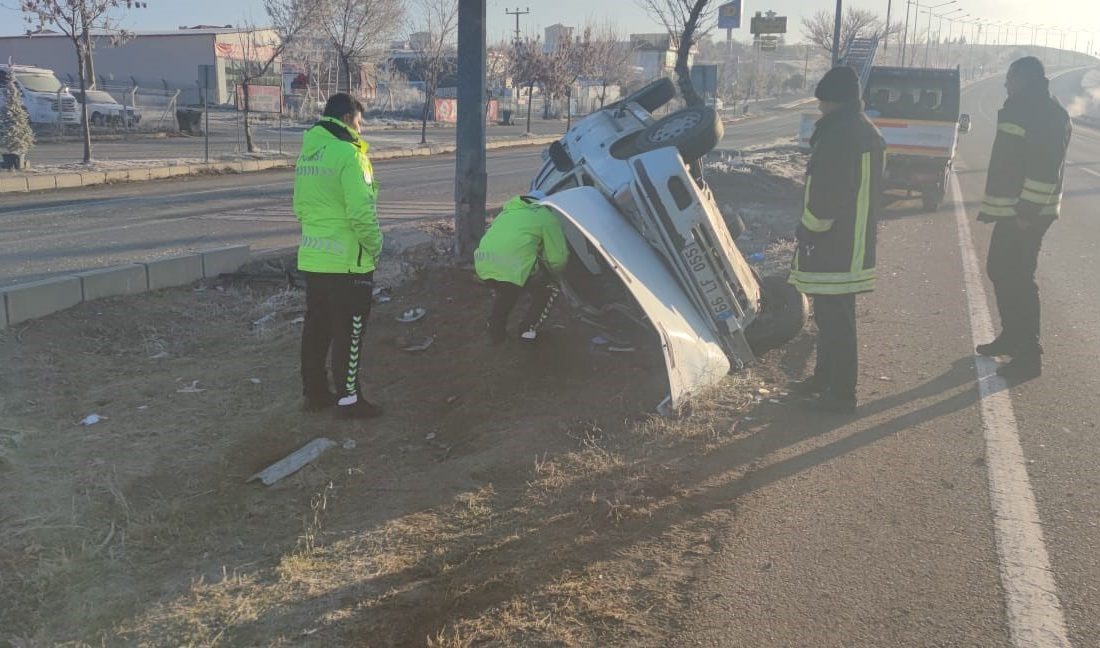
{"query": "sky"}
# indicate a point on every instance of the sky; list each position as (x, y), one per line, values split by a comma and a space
(625, 14)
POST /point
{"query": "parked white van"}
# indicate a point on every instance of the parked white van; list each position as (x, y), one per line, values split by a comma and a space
(46, 99)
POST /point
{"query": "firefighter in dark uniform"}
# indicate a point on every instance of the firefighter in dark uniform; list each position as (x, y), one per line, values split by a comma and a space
(835, 259)
(1023, 191)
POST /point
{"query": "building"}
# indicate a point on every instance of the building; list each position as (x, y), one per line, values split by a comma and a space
(156, 60)
(555, 36)
(655, 55)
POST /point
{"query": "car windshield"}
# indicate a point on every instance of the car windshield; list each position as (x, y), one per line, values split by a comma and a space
(98, 96)
(38, 82)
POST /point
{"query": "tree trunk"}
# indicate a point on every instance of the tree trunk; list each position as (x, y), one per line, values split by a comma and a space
(530, 91)
(424, 117)
(683, 52)
(85, 126)
(346, 60)
(568, 108)
(248, 144)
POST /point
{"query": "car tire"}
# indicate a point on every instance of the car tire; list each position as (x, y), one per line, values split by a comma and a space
(652, 96)
(931, 200)
(694, 131)
(783, 314)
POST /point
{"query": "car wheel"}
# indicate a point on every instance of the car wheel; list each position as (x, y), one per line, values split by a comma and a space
(783, 314)
(653, 95)
(694, 131)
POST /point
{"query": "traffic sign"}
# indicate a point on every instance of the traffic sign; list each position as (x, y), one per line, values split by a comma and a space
(769, 24)
(729, 15)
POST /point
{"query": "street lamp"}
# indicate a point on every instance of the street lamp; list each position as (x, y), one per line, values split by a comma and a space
(928, 32)
(950, 28)
(916, 20)
(939, 33)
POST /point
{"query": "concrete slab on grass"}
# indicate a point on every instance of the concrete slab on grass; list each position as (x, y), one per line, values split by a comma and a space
(174, 271)
(224, 260)
(39, 298)
(112, 282)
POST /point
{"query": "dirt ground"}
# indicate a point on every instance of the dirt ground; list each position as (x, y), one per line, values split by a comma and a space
(512, 496)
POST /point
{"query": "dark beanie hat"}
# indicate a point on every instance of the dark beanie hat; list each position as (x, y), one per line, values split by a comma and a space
(839, 85)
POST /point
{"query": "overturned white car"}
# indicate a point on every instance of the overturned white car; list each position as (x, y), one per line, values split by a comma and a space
(651, 254)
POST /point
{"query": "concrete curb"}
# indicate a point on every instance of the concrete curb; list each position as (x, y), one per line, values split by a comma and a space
(23, 302)
(41, 182)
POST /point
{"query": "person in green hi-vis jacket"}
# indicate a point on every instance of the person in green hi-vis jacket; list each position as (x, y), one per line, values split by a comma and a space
(335, 198)
(523, 241)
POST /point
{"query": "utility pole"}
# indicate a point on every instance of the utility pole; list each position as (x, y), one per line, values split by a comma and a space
(517, 13)
(905, 34)
(886, 33)
(836, 33)
(470, 178)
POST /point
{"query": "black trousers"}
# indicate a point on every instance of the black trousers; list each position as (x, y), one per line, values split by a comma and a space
(837, 365)
(1013, 258)
(506, 294)
(337, 308)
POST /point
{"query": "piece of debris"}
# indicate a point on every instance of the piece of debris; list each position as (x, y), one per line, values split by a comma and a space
(429, 436)
(763, 392)
(451, 399)
(159, 356)
(756, 257)
(885, 378)
(293, 462)
(415, 345)
(301, 319)
(621, 348)
(382, 295)
(143, 407)
(255, 381)
(349, 444)
(264, 321)
(92, 419)
(412, 315)
(193, 388)
(774, 401)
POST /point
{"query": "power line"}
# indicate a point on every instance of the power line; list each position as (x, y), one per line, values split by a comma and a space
(517, 13)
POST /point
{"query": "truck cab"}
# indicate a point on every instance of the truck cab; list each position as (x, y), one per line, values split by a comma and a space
(917, 112)
(46, 99)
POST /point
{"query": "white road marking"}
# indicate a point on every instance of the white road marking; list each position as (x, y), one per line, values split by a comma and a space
(1035, 616)
(1089, 171)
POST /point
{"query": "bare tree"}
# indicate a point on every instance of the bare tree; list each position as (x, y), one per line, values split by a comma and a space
(558, 71)
(261, 48)
(526, 69)
(360, 30)
(610, 59)
(435, 53)
(686, 21)
(81, 21)
(857, 23)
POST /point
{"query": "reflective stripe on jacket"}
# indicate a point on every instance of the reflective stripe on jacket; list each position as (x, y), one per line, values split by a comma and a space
(521, 235)
(1028, 159)
(335, 198)
(836, 238)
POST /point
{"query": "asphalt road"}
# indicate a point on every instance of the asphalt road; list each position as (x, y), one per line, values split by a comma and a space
(44, 234)
(944, 514)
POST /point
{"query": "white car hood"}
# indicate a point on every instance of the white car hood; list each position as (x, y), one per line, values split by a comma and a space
(693, 358)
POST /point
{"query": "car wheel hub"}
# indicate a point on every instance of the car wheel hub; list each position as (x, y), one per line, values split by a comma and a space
(675, 128)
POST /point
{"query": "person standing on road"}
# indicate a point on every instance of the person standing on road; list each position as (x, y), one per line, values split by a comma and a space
(335, 200)
(524, 247)
(835, 258)
(1023, 191)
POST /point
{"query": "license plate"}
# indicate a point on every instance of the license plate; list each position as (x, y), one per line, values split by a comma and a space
(708, 284)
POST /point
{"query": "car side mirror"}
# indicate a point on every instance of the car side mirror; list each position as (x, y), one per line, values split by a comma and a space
(964, 123)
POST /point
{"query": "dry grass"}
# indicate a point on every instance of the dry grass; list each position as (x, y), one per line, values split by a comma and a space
(508, 497)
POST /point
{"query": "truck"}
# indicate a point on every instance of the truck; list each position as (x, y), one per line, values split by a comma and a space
(47, 100)
(653, 261)
(917, 112)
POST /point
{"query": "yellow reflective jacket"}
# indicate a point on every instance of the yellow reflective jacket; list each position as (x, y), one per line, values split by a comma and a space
(521, 235)
(335, 199)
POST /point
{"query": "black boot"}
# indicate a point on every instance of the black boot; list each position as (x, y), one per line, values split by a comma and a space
(360, 409)
(998, 347)
(1022, 368)
(808, 387)
(319, 402)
